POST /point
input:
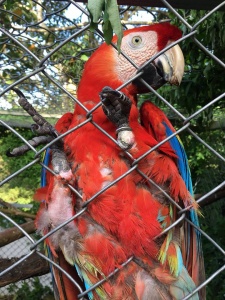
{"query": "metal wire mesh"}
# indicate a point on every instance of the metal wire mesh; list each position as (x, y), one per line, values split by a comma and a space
(41, 75)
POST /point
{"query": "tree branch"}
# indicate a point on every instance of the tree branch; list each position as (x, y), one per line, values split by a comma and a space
(11, 210)
(33, 266)
(12, 234)
(78, 25)
(17, 213)
(212, 198)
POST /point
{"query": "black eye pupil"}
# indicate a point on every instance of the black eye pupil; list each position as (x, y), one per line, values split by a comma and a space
(136, 40)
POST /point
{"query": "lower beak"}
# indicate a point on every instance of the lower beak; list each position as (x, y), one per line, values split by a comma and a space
(168, 67)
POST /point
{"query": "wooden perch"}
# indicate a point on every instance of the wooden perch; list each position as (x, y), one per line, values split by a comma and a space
(9, 209)
(12, 234)
(33, 266)
(18, 213)
(211, 198)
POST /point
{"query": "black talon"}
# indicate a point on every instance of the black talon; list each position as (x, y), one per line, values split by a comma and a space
(116, 106)
(34, 127)
(9, 153)
(18, 92)
(41, 126)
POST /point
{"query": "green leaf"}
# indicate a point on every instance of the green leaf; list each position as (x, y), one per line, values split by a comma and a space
(111, 8)
(107, 28)
(111, 19)
(95, 8)
(106, 20)
(108, 31)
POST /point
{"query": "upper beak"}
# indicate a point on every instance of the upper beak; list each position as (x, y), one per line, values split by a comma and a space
(168, 67)
(171, 65)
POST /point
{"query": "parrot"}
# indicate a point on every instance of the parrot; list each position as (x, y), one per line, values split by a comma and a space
(125, 190)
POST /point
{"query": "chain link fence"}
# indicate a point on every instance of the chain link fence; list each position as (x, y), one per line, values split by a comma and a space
(44, 47)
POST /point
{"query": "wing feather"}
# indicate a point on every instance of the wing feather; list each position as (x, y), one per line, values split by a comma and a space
(158, 125)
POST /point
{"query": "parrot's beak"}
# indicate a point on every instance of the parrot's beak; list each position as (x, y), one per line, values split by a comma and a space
(168, 67)
(171, 65)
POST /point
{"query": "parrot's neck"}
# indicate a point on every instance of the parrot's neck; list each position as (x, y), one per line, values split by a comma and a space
(97, 74)
(101, 70)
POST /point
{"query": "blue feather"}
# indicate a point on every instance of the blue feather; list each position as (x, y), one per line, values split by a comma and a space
(182, 158)
(43, 170)
(184, 170)
(86, 284)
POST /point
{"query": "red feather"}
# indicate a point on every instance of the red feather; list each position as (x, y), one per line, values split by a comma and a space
(124, 220)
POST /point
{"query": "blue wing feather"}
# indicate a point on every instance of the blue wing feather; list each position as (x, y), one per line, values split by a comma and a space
(183, 167)
(43, 170)
(182, 158)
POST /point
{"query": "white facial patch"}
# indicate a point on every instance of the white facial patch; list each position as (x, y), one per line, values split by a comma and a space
(139, 47)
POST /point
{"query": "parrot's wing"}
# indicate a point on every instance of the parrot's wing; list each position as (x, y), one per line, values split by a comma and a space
(158, 125)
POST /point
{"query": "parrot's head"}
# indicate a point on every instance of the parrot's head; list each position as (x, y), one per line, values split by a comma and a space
(140, 45)
(108, 68)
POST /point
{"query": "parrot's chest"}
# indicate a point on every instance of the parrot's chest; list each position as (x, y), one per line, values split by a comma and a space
(97, 161)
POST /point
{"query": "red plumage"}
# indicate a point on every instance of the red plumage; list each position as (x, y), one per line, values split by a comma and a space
(124, 220)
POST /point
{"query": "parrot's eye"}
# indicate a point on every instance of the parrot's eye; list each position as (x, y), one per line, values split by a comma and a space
(136, 40)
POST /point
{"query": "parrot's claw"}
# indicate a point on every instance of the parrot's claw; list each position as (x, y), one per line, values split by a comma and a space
(116, 107)
(36, 141)
(44, 129)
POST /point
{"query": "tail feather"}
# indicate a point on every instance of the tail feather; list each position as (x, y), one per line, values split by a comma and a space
(183, 286)
(64, 288)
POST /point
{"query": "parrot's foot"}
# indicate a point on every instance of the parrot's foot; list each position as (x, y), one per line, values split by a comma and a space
(41, 127)
(59, 160)
(116, 107)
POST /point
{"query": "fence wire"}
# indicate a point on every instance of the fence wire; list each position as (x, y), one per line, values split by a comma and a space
(47, 73)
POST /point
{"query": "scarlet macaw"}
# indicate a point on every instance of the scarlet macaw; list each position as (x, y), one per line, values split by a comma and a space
(127, 219)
